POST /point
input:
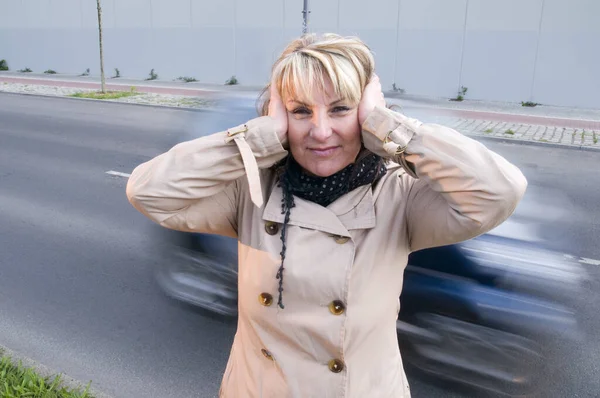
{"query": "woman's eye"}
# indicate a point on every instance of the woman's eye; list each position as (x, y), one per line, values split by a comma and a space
(340, 109)
(301, 111)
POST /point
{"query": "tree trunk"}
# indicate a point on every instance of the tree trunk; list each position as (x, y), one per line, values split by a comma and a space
(102, 79)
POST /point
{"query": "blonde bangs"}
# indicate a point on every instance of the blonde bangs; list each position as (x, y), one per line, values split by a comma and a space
(303, 73)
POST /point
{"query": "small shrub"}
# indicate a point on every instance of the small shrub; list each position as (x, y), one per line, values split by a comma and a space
(488, 131)
(397, 89)
(529, 104)
(152, 76)
(187, 79)
(50, 72)
(3, 64)
(117, 73)
(232, 81)
(25, 70)
(509, 132)
(86, 73)
(461, 94)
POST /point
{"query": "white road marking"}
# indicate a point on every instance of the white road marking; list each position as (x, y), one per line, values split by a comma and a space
(118, 174)
(590, 261)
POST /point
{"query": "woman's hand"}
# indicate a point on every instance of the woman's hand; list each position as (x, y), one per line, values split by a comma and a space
(372, 96)
(278, 113)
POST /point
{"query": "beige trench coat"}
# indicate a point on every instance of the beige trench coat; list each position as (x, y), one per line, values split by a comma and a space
(344, 268)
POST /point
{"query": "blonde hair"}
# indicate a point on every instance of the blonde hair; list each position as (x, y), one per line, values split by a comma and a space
(309, 61)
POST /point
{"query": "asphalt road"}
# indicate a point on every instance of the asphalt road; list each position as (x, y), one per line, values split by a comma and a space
(76, 260)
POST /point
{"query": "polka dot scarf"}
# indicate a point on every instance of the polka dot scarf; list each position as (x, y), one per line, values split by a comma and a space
(294, 181)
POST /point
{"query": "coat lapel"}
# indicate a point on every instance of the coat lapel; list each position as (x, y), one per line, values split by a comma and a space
(355, 210)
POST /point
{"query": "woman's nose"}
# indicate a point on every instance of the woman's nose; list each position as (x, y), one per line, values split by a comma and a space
(321, 127)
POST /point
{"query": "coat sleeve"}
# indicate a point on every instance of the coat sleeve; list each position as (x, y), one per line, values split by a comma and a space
(457, 189)
(195, 185)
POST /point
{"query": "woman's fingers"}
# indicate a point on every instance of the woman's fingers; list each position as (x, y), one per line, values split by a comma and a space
(278, 112)
(372, 96)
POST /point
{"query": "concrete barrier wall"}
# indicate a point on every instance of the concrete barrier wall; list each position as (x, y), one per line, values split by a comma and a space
(546, 51)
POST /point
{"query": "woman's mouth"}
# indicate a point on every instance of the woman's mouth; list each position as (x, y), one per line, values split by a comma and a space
(324, 152)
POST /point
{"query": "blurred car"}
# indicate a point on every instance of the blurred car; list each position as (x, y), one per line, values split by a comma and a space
(479, 313)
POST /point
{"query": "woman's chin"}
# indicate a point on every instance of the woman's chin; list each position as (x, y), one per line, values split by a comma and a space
(326, 169)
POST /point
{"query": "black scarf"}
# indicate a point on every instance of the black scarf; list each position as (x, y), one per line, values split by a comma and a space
(294, 181)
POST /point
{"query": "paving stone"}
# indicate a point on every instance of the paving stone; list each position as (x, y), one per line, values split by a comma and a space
(549, 133)
(455, 123)
(465, 123)
(479, 127)
(539, 132)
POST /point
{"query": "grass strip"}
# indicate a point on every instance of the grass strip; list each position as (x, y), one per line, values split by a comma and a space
(106, 95)
(17, 381)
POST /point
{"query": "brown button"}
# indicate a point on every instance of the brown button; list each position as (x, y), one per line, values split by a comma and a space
(265, 299)
(267, 354)
(336, 365)
(341, 239)
(271, 227)
(337, 307)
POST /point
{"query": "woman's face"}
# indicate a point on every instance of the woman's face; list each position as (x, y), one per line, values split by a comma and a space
(324, 134)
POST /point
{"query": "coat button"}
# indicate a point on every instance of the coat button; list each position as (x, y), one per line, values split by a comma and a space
(265, 299)
(336, 365)
(271, 227)
(337, 307)
(267, 354)
(341, 239)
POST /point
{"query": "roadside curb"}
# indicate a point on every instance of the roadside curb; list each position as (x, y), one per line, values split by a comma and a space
(533, 143)
(65, 97)
(142, 87)
(44, 371)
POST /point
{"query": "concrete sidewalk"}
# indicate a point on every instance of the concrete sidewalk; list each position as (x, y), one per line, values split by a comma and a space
(540, 125)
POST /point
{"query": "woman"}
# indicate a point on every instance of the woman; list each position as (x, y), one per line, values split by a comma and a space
(327, 193)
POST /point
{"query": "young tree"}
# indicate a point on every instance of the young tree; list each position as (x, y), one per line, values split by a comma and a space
(102, 79)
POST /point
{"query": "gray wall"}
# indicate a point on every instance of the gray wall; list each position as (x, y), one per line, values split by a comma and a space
(546, 51)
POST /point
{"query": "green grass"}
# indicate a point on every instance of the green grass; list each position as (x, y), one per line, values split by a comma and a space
(106, 95)
(17, 381)
(510, 132)
(488, 131)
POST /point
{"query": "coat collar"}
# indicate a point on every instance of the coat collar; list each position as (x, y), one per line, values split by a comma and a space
(354, 210)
